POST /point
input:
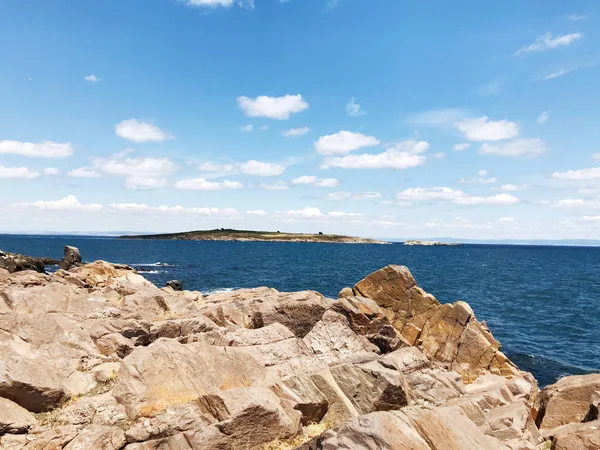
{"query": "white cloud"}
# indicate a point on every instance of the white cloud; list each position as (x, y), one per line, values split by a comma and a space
(134, 166)
(344, 142)
(547, 42)
(262, 169)
(342, 214)
(577, 17)
(92, 78)
(438, 117)
(264, 127)
(492, 87)
(200, 184)
(51, 171)
(573, 203)
(449, 195)
(592, 173)
(403, 156)
(484, 129)
(129, 206)
(277, 186)
(317, 182)
(83, 172)
(558, 74)
(519, 147)
(335, 196)
(295, 132)
(68, 203)
(210, 3)
(482, 179)
(543, 118)
(353, 108)
(513, 187)
(144, 183)
(439, 155)
(306, 213)
(45, 149)
(138, 131)
(367, 196)
(596, 156)
(461, 147)
(17, 172)
(278, 108)
(506, 220)
(247, 128)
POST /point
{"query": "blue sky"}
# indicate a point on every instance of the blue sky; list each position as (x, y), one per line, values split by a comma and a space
(374, 118)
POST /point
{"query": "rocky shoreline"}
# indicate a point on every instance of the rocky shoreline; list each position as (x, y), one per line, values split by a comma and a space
(433, 243)
(97, 357)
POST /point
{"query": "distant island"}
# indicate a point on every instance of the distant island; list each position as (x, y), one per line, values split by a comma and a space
(433, 243)
(223, 234)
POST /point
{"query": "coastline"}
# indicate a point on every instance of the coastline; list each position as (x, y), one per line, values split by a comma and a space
(385, 361)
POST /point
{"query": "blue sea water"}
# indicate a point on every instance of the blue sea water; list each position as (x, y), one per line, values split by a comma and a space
(541, 302)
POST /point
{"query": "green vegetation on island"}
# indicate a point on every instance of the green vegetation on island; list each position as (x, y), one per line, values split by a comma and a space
(225, 234)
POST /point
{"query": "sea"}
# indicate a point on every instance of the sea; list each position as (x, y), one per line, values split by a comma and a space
(541, 302)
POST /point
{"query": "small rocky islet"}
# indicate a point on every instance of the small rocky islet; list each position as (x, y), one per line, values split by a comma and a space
(94, 356)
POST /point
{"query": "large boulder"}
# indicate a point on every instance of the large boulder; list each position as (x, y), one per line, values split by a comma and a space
(168, 373)
(71, 258)
(13, 262)
(566, 401)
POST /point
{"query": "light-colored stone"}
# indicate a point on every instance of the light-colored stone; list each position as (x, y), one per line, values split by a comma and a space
(566, 401)
(14, 419)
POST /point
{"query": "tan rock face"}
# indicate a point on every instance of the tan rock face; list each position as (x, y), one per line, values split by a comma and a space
(448, 333)
(107, 360)
(567, 401)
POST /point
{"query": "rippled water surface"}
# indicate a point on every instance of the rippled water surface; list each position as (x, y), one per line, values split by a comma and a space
(542, 303)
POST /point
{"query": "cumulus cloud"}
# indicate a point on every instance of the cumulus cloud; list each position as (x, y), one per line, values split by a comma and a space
(68, 203)
(353, 108)
(200, 184)
(12, 173)
(139, 131)
(262, 169)
(123, 165)
(543, 118)
(335, 196)
(461, 147)
(484, 129)
(83, 172)
(45, 149)
(247, 128)
(518, 147)
(315, 181)
(402, 156)
(449, 195)
(256, 212)
(279, 108)
(92, 78)
(548, 42)
(305, 213)
(367, 196)
(51, 171)
(277, 186)
(592, 173)
(144, 183)
(482, 178)
(210, 166)
(295, 132)
(210, 3)
(573, 203)
(344, 142)
(513, 187)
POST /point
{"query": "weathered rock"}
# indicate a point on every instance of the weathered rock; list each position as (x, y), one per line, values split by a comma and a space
(98, 437)
(14, 419)
(98, 410)
(566, 401)
(576, 436)
(375, 431)
(168, 373)
(346, 293)
(372, 386)
(13, 262)
(305, 396)
(593, 413)
(176, 285)
(71, 258)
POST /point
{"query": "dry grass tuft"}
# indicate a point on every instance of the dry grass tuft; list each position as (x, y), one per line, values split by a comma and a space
(308, 432)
